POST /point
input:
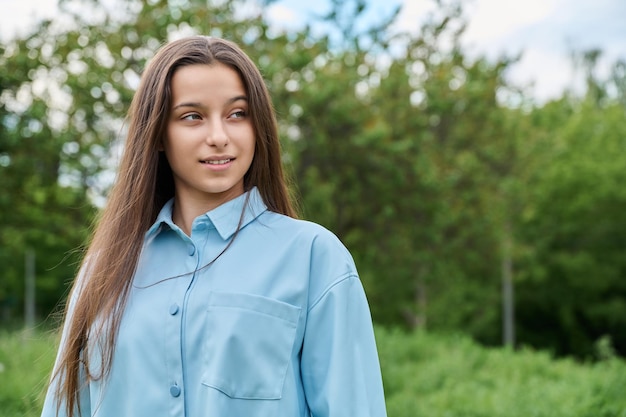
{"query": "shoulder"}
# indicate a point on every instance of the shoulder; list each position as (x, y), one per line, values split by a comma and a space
(329, 261)
(317, 235)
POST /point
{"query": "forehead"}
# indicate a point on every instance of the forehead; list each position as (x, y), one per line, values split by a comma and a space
(206, 81)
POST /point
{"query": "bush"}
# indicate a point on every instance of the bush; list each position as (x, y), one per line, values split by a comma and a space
(26, 360)
(425, 375)
(451, 376)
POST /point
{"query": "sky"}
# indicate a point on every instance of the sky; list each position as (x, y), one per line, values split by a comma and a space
(544, 31)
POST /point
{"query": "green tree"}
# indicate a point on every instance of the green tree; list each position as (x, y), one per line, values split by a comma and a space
(573, 292)
(38, 213)
(441, 178)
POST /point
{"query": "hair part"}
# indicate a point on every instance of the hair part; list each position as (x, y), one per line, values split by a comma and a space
(144, 183)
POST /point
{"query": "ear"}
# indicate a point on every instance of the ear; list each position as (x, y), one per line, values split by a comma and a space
(160, 146)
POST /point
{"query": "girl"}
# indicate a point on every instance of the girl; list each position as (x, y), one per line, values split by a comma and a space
(201, 294)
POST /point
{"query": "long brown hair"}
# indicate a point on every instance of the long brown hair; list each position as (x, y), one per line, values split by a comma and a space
(144, 183)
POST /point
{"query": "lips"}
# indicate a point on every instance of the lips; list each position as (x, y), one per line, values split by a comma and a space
(217, 160)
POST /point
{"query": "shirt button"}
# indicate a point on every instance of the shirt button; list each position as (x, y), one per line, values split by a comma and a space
(175, 390)
(174, 309)
(192, 250)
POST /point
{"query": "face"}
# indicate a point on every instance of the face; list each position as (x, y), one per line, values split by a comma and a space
(210, 138)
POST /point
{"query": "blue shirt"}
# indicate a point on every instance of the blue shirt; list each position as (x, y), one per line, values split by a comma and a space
(277, 326)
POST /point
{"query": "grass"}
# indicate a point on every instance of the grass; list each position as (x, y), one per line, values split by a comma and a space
(451, 376)
(26, 358)
(425, 375)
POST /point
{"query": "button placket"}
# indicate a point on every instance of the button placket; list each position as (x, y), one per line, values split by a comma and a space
(174, 312)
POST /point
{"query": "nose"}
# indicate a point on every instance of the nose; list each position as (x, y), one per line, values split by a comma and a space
(216, 133)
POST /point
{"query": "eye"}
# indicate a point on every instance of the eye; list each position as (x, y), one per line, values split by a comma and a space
(239, 114)
(191, 116)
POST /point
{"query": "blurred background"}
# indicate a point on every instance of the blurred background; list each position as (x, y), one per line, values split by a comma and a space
(470, 154)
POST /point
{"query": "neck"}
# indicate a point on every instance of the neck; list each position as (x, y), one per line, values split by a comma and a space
(187, 208)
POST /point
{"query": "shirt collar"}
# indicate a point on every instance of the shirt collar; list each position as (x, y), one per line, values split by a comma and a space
(225, 218)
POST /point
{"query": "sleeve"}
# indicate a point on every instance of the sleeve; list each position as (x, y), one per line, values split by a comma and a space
(51, 402)
(340, 367)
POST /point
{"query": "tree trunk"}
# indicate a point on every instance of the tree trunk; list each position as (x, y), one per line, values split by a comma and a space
(508, 300)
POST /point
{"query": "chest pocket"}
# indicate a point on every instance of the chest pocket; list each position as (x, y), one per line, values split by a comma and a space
(248, 344)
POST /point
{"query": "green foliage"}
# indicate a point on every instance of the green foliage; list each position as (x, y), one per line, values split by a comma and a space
(432, 168)
(451, 376)
(575, 277)
(37, 212)
(425, 374)
(26, 360)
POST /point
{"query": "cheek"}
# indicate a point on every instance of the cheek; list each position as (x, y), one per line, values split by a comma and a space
(163, 142)
(168, 142)
(253, 144)
(254, 158)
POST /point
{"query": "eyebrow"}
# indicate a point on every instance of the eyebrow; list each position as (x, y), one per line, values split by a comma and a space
(196, 104)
